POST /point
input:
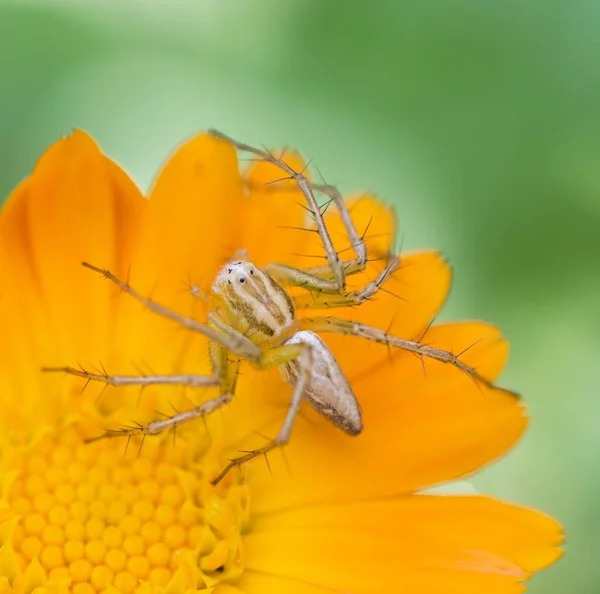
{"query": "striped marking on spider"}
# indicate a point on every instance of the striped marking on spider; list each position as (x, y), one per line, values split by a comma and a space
(254, 318)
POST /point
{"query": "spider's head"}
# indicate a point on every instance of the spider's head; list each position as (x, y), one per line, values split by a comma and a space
(257, 304)
(236, 277)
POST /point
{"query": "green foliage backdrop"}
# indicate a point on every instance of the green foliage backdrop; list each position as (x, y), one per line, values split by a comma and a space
(478, 120)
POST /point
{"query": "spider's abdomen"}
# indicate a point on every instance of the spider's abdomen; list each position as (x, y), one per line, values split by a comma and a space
(257, 305)
(328, 390)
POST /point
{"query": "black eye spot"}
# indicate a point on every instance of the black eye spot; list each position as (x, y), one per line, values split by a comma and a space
(242, 280)
(252, 272)
(229, 270)
(229, 281)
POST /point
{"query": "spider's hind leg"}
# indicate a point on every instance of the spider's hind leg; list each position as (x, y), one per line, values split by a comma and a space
(342, 326)
(303, 353)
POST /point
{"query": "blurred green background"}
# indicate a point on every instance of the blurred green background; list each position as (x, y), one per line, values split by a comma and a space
(479, 120)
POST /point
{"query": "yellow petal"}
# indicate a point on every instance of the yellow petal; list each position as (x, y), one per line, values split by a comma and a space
(418, 543)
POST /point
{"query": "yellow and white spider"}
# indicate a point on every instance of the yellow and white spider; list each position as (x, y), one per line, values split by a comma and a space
(252, 316)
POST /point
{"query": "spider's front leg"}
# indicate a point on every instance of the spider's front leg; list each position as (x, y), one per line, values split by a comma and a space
(216, 331)
(337, 269)
(321, 292)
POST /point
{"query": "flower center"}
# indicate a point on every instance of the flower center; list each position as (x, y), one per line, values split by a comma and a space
(96, 516)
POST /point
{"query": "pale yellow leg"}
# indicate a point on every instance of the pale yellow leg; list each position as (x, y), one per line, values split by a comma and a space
(275, 357)
(342, 326)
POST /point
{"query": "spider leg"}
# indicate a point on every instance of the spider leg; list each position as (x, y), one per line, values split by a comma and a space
(342, 326)
(303, 352)
(339, 269)
(216, 330)
(226, 378)
(189, 380)
(319, 299)
(357, 242)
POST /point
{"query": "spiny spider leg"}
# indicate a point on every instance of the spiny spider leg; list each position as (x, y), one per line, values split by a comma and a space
(192, 381)
(351, 298)
(227, 379)
(156, 427)
(356, 241)
(225, 335)
(305, 186)
(342, 326)
(304, 354)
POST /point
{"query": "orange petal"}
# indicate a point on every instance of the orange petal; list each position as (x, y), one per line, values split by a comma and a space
(418, 431)
(193, 222)
(416, 543)
(64, 213)
(274, 214)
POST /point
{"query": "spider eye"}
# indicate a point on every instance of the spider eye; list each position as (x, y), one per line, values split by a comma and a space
(229, 270)
(242, 280)
(229, 281)
(252, 272)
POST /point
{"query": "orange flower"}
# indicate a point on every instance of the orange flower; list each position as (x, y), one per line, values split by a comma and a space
(343, 514)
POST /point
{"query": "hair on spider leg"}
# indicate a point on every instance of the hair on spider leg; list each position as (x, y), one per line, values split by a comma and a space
(361, 198)
(469, 347)
(427, 328)
(309, 210)
(364, 233)
(160, 413)
(140, 395)
(87, 382)
(262, 435)
(101, 394)
(321, 177)
(206, 428)
(268, 463)
(384, 290)
(309, 230)
(373, 236)
(323, 208)
(139, 367)
(141, 445)
(422, 359)
(293, 174)
(286, 461)
(127, 445)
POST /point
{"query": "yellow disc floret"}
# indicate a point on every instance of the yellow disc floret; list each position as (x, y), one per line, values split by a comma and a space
(88, 517)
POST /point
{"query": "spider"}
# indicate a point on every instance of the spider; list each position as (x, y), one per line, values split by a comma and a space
(255, 320)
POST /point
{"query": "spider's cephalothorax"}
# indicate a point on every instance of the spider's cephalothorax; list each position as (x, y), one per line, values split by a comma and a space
(253, 318)
(255, 304)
